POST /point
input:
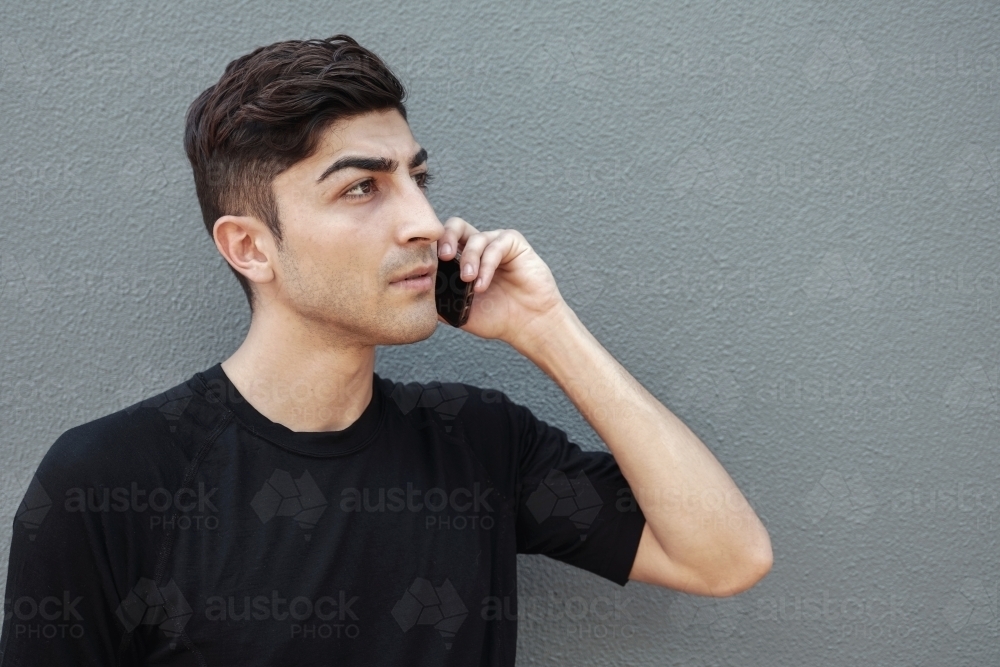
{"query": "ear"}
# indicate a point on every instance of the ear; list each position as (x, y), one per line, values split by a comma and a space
(246, 243)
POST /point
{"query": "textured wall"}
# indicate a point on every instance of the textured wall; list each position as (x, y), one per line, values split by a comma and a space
(783, 220)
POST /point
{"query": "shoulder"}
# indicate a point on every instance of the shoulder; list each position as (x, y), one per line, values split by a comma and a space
(146, 437)
(479, 420)
(447, 401)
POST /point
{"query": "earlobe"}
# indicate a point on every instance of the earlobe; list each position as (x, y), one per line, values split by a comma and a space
(244, 242)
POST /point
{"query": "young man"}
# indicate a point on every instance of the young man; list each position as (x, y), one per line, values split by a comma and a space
(291, 506)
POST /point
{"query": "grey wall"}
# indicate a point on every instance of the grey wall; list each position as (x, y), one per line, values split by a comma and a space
(783, 219)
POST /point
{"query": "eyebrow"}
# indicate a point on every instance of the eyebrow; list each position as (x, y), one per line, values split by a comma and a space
(372, 164)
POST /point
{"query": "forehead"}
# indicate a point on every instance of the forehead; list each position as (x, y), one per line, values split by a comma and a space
(373, 134)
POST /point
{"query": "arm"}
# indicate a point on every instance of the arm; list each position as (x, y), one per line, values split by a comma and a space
(701, 534)
(61, 597)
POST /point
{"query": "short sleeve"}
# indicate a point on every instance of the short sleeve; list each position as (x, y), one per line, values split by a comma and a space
(60, 589)
(573, 506)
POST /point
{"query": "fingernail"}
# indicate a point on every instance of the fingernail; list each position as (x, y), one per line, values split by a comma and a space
(467, 270)
(446, 248)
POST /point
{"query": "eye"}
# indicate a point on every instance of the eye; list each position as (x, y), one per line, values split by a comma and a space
(361, 190)
(423, 179)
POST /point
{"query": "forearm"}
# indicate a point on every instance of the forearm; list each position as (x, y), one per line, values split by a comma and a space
(695, 510)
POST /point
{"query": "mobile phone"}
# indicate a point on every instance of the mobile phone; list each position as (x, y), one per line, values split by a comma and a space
(453, 295)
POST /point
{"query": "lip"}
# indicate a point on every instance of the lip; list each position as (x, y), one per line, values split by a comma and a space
(421, 277)
(420, 284)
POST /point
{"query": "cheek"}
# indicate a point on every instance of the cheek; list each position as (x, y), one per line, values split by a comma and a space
(346, 271)
(346, 263)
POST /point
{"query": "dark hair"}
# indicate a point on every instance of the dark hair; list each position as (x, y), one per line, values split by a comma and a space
(267, 112)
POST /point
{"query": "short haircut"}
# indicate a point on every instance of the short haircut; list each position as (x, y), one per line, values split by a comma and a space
(268, 112)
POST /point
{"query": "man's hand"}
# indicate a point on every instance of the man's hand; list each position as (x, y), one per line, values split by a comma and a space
(515, 292)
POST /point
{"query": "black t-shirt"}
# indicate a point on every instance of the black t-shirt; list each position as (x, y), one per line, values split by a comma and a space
(189, 529)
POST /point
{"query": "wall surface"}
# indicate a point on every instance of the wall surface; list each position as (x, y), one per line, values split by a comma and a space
(782, 219)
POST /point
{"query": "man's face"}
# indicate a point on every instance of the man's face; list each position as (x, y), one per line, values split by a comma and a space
(349, 230)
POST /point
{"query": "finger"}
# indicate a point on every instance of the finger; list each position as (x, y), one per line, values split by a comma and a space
(456, 232)
(474, 248)
(493, 256)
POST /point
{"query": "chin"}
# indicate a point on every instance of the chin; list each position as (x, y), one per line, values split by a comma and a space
(413, 327)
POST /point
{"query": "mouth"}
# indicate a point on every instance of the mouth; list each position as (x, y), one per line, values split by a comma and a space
(419, 278)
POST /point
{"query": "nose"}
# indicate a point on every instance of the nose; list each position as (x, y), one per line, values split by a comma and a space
(418, 223)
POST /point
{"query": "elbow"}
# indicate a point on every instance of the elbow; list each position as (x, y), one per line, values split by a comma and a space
(755, 566)
(751, 567)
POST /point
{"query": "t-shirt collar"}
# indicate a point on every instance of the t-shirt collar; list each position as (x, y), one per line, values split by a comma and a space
(217, 388)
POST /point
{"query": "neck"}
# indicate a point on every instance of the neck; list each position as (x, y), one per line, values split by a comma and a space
(295, 375)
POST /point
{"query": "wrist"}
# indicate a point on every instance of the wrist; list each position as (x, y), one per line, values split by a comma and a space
(545, 333)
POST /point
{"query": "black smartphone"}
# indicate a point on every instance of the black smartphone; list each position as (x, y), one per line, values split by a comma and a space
(453, 295)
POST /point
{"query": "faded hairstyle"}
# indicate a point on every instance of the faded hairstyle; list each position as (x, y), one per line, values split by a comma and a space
(268, 112)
